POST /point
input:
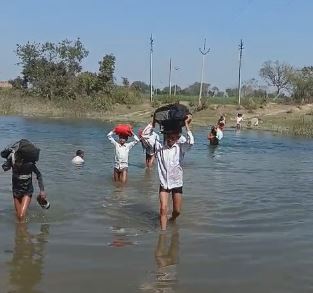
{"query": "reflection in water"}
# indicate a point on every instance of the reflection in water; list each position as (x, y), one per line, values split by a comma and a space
(166, 258)
(120, 238)
(27, 261)
(212, 150)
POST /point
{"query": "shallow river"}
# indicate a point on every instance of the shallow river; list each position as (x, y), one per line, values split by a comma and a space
(246, 224)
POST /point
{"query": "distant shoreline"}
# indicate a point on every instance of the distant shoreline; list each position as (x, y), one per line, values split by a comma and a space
(282, 118)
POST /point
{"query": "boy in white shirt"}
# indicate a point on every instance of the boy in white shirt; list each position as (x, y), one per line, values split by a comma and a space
(146, 144)
(122, 149)
(239, 119)
(169, 158)
(79, 159)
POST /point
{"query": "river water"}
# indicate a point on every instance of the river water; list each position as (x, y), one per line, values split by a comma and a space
(246, 224)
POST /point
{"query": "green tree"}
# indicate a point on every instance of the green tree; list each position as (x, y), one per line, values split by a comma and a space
(87, 83)
(231, 92)
(125, 82)
(18, 83)
(50, 69)
(106, 73)
(193, 90)
(302, 84)
(277, 75)
(141, 86)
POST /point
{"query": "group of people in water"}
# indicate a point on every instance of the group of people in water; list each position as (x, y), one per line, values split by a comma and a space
(168, 153)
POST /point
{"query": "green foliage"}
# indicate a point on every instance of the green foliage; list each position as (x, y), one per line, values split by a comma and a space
(50, 69)
(105, 75)
(141, 87)
(86, 84)
(253, 103)
(18, 83)
(167, 99)
(194, 89)
(126, 96)
(302, 82)
(125, 82)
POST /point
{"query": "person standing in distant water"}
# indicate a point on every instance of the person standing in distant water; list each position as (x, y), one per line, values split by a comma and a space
(239, 119)
(122, 148)
(212, 136)
(79, 159)
(221, 122)
(219, 131)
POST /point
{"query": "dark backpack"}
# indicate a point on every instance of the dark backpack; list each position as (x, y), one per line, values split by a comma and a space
(173, 114)
(23, 149)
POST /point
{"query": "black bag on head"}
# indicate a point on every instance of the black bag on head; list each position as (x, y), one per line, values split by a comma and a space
(179, 113)
(162, 114)
(171, 116)
(24, 149)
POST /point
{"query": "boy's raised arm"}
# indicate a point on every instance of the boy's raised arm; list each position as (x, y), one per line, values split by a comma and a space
(110, 137)
(134, 142)
(190, 139)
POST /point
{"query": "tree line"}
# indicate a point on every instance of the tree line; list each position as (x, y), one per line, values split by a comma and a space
(54, 70)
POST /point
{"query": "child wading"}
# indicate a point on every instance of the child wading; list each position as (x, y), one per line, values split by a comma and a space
(146, 144)
(79, 158)
(122, 148)
(20, 160)
(239, 119)
(169, 158)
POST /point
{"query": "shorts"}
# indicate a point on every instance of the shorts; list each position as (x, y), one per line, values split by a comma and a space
(173, 190)
(20, 188)
(148, 156)
(21, 194)
(121, 170)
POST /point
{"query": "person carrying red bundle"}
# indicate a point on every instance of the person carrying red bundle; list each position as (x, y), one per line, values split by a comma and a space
(122, 148)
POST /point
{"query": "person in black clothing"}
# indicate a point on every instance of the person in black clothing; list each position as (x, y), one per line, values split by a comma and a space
(212, 136)
(22, 186)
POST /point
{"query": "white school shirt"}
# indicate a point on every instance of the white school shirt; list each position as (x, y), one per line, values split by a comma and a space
(121, 151)
(219, 134)
(78, 160)
(148, 142)
(170, 159)
(239, 119)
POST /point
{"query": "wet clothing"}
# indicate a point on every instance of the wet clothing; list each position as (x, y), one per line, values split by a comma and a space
(121, 151)
(22, 182)
(170, 159)
(147, 143)
(173, 190)
(219, 134)
(78, 160)
(121, 170)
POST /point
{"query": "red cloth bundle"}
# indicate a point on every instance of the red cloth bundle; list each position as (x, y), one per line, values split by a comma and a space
(123, 130)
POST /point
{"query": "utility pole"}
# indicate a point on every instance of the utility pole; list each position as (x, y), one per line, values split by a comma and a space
(239, 73)
(176, 68)
(170, 78)
(203, 52)
(151, 52)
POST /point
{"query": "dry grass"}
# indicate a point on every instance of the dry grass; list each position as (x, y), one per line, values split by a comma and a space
(287, 119)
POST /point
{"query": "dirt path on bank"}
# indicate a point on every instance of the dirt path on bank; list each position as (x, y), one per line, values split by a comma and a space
(267, 114)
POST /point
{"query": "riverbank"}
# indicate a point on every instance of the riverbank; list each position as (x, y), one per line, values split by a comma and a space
(282, 118)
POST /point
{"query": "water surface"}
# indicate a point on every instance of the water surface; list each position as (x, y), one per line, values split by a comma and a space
(246, 224)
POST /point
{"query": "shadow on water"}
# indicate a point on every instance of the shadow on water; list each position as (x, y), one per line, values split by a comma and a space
(164, 278)
(25, 268)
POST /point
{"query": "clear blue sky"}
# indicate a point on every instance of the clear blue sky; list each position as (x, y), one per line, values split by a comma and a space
(271, 30)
